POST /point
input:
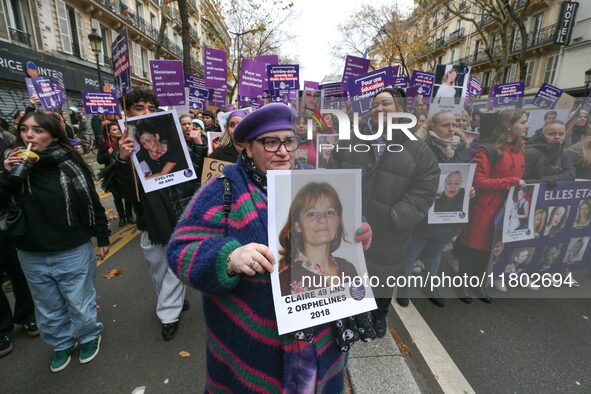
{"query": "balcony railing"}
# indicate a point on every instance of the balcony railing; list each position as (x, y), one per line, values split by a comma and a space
(20, 36)
(455, 36)
(173, 13)
(542, 37)
(438, 43)
(485, 20)
(133, 20)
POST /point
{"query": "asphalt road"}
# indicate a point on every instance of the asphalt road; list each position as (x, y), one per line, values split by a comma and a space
(133, 353)
(518, 345)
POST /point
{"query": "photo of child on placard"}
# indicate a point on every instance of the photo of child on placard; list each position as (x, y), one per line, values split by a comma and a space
(161, 158)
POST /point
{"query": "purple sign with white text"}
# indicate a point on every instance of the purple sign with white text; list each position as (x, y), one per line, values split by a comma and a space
(284, 76)
(332, 96)
(311, 85)
(217, 97)
(354, 67)
(267, 59)
(423, 81)
(400, 82)
(121, 67)
(507, 94)
(100, 103)
(547, 96)
(215, 68)
(168, 81)
(198, 95)
(362, 89)
(252, 78)
(47, 94)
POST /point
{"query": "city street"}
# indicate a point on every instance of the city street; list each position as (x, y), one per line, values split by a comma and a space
(133, 353)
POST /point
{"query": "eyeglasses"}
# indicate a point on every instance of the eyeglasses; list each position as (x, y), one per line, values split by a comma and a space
(314, 214)
(273, 144)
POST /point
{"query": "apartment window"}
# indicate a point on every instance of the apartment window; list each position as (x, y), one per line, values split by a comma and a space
(486, 80)
(536, 27)
(138, 62)
(476, 50)
(153, 22)
(436, 18)
(459, 24)
(510, 73)
(144, 63)
(15, 16)
(550, 69)
(139, 9)
(530, 67)
(452, 56)
(444, 32)
(440, 60)
(513, 38)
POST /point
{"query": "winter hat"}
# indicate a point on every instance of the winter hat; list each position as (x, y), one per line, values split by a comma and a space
(199, 123)
(271, 117)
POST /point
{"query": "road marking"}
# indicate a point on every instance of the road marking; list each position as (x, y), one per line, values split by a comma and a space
(444, 370)
(103, 194)
(118, 240)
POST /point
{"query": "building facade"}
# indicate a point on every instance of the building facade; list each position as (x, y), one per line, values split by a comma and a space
(53, 35)
(454, 40)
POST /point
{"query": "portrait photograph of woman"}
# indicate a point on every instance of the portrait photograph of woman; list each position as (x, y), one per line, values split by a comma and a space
(451, 203)
(539, 222)
(556, 219)
(583, 217)
(576, 249)
(550, 257)
(314, 218)
(159, 150)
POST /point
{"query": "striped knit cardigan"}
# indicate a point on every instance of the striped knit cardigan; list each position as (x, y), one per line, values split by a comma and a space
(244, 352)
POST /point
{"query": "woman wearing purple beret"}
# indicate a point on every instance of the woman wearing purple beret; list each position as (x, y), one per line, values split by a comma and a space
(220, 248)
(229, 149)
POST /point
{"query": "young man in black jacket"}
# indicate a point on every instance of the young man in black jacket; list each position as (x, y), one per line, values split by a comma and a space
(157, 215)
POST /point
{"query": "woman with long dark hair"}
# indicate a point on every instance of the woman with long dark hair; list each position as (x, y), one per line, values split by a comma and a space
(500, 164)
(62, 212)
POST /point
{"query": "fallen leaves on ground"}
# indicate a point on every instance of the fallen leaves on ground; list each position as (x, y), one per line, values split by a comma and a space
(114, 272)
(184, 354)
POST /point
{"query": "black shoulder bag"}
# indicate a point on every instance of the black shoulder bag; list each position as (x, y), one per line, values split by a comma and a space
(12, 219)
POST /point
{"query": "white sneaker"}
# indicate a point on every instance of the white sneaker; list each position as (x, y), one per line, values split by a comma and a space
(498, 284)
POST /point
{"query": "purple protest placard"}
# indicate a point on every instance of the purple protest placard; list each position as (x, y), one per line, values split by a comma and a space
(49, 97)
(168, 81)
(121, 69)
(100, 103)
(198, 95)
(311, 85)
(354, 67)
(252, 78)
(508, 94)
(423, 81)
(267, 59)
(362, 89)
(30, 87)
(400, 82)
(217, 97)
(474, 87)
(568, 237)
(547, 96)
(283, 77)
(332, 96)
(215, 68)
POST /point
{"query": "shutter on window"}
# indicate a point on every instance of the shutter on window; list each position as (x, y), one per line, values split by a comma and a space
(94, 24)
(82, 39)
(3, 26)
(62, 17)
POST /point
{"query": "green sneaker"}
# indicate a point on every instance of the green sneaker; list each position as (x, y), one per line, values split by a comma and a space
(89, 350)
(61, 359)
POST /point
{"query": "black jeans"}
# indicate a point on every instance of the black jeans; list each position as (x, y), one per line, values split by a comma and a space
(123, 210)
(24, 308)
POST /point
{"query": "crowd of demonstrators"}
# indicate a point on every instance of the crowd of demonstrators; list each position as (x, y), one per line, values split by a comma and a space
(429, 240)
(157, 215)
(398, 190)
(193, 134)
(226, 257)
(580, 128)
(62, 211)
(580, 156)
(209, 121)
(108, 149)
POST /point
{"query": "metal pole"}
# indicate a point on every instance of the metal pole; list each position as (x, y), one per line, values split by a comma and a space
(98, 70)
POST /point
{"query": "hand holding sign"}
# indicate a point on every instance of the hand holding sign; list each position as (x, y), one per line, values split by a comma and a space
(125, 146)
(251, 259)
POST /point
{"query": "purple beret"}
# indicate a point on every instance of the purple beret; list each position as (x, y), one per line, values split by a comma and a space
(238, 112)
(271, 117)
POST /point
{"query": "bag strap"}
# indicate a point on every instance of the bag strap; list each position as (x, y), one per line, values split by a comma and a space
(227, 197)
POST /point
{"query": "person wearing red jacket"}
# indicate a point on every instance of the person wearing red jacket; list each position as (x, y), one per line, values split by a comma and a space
(500, 164)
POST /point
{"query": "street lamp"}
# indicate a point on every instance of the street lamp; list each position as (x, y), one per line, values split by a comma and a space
(96, 41)
(237, 39)
(587, 81)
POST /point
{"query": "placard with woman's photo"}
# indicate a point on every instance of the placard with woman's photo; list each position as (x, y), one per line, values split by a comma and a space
(449, 90)
(453, 194)
(161, 158)
(320, 270)
(519, 220)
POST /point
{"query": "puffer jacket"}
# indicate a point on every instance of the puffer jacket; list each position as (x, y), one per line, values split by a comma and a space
(398, 189)
(546, 162)
(575, 154)
(442, 232)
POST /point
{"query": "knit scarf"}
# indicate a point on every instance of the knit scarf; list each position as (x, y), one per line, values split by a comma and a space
(74, 183)
(446, 146)
(256, 176)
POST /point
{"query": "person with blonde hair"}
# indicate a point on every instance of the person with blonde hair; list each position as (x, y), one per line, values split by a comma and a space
(580, 156)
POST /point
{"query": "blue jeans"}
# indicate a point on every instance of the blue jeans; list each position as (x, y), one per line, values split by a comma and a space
(430, 253)
(62, 285)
